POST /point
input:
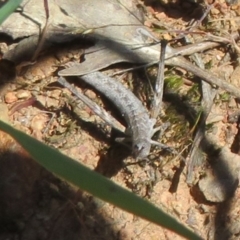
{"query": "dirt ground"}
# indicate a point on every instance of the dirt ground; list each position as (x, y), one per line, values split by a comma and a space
(35, 204)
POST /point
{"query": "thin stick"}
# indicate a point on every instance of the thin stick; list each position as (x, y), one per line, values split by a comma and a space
(187, 50)
(49, 122)
(209, 8)
(157, 100)
(93, 106)
(208, 95)
(46, 9)
(204, 75)
(42, 37)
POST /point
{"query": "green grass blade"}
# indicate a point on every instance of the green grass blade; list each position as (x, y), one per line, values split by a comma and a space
(8, 8)
(95, 183)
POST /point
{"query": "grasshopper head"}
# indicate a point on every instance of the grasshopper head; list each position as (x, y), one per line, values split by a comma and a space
(141, 149)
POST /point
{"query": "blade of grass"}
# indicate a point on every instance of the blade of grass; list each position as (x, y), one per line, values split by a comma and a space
(9, 7)
(95, 183)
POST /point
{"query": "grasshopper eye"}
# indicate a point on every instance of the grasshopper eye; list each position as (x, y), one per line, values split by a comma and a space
(137, 150)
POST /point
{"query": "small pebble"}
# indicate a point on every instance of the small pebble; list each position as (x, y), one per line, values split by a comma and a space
(56, 93)
(90, 94)
(22, 94)
(10, 97)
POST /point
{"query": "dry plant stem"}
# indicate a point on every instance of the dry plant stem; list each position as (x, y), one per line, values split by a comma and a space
(213, 41)
(204, 75)
(188, 50)
(209, 8)
(50, 121)
(23, 104)
(43, 34)
(235, 46)
(46, 8)
(158, 94)
(93, 106)
(208, 95)
(195, 47)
